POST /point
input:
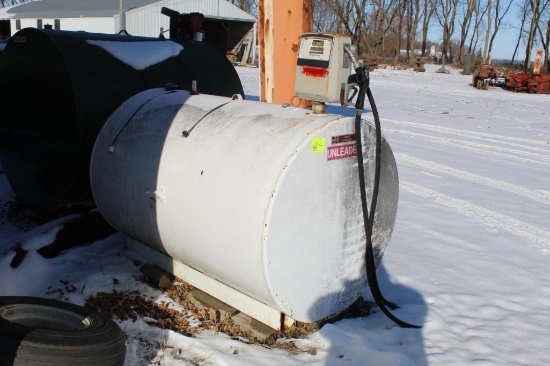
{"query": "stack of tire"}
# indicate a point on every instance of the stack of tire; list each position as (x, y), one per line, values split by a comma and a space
(41, 332)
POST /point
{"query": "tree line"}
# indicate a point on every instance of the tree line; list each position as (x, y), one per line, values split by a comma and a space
(384, 28)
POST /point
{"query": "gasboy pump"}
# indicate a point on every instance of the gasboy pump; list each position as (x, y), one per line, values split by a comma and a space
(323, 74)
(323, 69)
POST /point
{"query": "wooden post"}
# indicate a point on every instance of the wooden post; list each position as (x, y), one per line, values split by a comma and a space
(281, 23)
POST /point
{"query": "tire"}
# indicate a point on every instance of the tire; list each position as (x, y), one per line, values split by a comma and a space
(40, 332)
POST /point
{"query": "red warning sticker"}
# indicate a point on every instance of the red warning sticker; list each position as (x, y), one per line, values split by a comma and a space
(342, 138)
(341, 152)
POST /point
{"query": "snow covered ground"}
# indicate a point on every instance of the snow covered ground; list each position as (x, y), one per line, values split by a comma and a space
(468, 261)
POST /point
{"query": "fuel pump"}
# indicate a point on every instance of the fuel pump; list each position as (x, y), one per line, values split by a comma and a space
(323, 68)
(324, 75)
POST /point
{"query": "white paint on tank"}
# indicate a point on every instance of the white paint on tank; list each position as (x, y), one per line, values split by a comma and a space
(249, 197)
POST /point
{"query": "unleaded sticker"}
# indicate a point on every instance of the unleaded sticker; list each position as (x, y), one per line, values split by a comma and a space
(341, 152)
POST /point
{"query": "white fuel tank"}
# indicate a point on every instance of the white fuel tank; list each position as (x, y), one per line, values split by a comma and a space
(262, 198)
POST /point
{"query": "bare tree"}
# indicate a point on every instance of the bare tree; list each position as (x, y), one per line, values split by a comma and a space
(469, 7)
(446, 16)
(498, 20)
(428, 9)
(545, 40)
(359, 23)
(324, 17)
(488, 33)
(351, 18)
(381, 26)
(523, 13)
(384, 27)
(392, 15)
(401, 6)
(479, 13)
(538, 7)
(413, 19)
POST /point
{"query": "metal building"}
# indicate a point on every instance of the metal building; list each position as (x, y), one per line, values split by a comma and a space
(232, 29)
(100, 16)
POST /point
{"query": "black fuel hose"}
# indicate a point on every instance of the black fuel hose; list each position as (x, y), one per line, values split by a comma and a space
(362, 80)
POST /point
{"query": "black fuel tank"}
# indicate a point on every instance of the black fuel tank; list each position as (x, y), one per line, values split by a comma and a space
(59, 87)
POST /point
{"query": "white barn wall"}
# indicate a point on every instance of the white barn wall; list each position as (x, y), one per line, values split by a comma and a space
(92, 25)
(25, 23)
(146, 23)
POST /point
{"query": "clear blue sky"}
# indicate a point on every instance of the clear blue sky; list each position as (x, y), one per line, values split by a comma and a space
(507, 36)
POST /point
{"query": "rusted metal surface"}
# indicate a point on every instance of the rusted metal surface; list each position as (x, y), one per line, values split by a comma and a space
(535, 82)
(538, 62)
(517, 80)
(526, 82)
(543, 84)
(280, 25)
(263, 24)
(484, 76)
(487, 71)
(183, 26)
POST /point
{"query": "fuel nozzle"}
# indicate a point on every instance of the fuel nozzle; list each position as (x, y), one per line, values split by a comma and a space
(358, 82)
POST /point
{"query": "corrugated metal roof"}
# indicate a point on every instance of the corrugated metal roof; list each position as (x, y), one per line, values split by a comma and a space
(72, 8)
(108, 8)
(4, 12)
(221, 9)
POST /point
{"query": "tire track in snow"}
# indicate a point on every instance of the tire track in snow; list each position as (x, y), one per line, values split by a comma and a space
(390, 80)
(537, 195)
(502, 152)
(508, 140)
(466, 91)
(538, 237)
